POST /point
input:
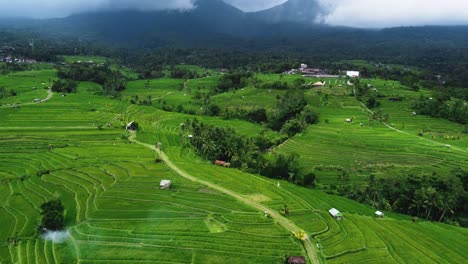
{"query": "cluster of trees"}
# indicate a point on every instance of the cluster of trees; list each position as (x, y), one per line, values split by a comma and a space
(219, 143)
(112, 81)
(291, 116)
(279, 85)
(431, 197)
(148, 101)
(13, 67)
(4, 93)
(181, 73)
(233, 81)
(53, 216)
(256, 115)
(64, 86)
(366, 94)
(441, 105)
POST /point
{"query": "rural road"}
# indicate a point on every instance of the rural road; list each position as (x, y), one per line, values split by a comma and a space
(281, 220)
(408, 134)
(50, 94)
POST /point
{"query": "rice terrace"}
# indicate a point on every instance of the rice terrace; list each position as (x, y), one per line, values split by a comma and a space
(139, 141)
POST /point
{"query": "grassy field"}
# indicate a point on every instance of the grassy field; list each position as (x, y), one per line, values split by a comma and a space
(115, 211)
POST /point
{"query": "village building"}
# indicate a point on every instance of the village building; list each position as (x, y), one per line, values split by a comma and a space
(297, 260)
(379, 214)
(353, 74)
(337, 215)
(165, 184)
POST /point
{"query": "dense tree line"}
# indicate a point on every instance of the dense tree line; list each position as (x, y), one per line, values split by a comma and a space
(441, 105)
(432, 197)
(219, 143)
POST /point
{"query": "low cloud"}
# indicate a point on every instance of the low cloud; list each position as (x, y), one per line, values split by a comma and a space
(61, 8)
(385, 13)
(255, 5)
(57, 237)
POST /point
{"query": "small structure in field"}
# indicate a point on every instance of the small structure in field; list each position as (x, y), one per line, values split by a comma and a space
(379, 214)
(318, 84)
(165, 184)
(348, 120)
(337, 215)
(223, 163)
(353, 74)
(297, 260)
(132, 126)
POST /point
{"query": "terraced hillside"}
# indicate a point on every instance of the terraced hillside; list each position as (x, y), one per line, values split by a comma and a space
(75, 148)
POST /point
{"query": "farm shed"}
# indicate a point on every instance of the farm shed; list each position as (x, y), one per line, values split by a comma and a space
(379, 214)
(165, 184)
(318, 84)
(353, 74)
(297, 260)
(132, 126)
(335, 214)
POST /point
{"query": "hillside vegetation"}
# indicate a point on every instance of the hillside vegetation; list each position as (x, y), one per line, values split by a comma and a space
(74, 148)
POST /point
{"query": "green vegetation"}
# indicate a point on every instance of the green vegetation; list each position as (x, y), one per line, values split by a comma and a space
(52, 216)
(115, 210)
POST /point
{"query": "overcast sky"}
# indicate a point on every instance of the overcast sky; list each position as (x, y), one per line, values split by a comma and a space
(356, 13)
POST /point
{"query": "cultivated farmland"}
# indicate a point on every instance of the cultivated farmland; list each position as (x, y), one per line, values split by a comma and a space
(75, 148)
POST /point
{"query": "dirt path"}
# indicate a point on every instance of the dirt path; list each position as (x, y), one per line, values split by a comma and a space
(50, 94)
(162, 96)
(409, 134)
(281, 220)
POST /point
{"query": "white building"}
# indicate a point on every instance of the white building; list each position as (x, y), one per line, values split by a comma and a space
(165, 184)
(304, 66)
(335, 214)
(353, 74)
(379, 214)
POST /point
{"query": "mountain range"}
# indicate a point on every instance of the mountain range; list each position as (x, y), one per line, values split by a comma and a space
(208, 20)
(216, 24)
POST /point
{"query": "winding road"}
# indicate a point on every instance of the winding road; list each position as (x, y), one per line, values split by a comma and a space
(281, 220)
(50, 94)
(411, 135)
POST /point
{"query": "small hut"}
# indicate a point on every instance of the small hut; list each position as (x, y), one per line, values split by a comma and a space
(297, 260)
(379, 214)
(337, 215)
(165, 184)
(318, 84)
(132, 126)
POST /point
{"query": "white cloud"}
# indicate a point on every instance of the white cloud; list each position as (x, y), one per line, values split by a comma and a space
(60, 8)
(386, 13)
(255, 5)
